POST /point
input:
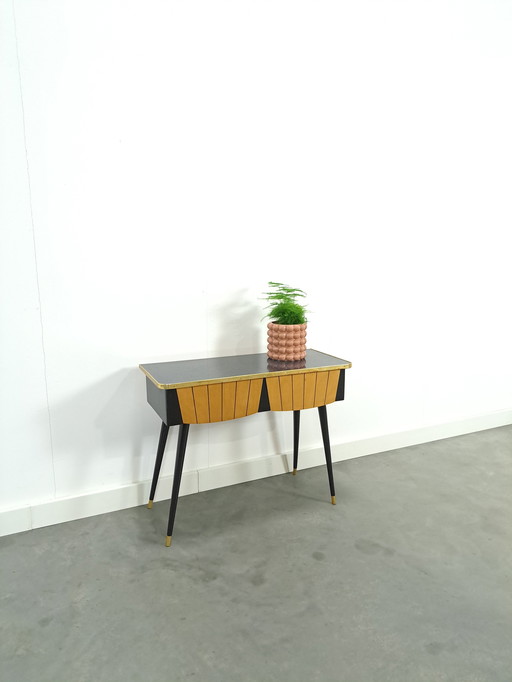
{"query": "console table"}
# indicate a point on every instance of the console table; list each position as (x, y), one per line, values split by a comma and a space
(220, 389)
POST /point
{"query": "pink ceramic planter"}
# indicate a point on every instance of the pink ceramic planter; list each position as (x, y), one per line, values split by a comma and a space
(286, 341)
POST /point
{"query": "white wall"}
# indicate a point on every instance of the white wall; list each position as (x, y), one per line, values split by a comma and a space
(160, 161)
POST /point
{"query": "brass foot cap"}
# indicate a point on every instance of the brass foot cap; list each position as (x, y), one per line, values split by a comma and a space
(150, 504)
(168, 540)
(294, 472)
(333, 500)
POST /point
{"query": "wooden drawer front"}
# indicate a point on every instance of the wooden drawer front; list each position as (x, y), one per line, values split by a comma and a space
(219, 402)
(301, 391)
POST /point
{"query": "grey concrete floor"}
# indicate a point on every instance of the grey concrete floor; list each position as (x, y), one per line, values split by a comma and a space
(407, 579)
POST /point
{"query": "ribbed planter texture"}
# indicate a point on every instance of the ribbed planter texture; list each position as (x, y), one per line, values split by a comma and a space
(286, 341)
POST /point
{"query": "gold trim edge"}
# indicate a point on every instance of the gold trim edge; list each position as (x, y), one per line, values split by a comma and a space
(243, 377)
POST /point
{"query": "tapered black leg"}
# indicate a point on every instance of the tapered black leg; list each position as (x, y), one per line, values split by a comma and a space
(158, 463)
(322, 411)
(178, 468)
(296, 425)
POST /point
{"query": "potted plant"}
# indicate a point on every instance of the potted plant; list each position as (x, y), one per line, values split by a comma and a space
(287, 329)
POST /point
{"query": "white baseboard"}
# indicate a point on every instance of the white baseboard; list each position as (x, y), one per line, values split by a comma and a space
(100, 502)
(90, 504)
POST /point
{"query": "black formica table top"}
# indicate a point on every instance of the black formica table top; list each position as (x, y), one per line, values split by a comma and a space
(183, 373)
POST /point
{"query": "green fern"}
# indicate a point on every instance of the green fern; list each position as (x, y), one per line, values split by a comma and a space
(283, 304)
